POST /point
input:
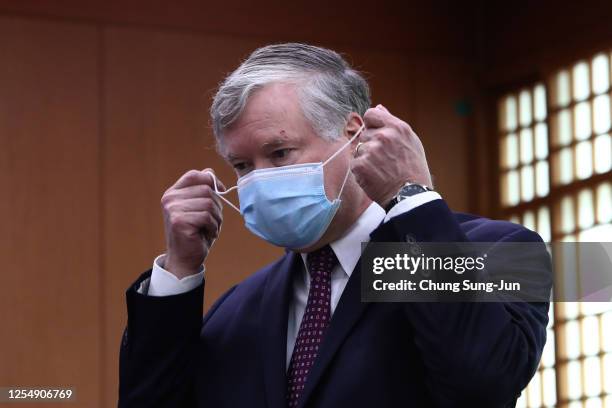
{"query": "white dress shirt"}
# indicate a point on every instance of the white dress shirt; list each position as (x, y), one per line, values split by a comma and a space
(347, 250)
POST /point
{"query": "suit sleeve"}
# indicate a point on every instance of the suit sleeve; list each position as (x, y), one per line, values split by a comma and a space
(475, 354)
(159, 348)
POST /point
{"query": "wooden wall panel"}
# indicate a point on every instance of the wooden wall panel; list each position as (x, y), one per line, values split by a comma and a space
(444, 88)
(49, 189)
(413, 26)
(523, 40)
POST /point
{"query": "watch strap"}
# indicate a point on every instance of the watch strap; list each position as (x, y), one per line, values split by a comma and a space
(407, 190)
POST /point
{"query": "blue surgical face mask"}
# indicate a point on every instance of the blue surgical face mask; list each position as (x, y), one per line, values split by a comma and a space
(287, 206)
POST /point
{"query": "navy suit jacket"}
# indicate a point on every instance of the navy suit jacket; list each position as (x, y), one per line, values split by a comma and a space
(372, 355)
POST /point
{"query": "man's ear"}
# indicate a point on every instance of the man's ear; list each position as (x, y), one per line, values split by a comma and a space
(354, 122)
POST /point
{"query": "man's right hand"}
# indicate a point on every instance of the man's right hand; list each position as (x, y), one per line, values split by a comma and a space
(192, 220)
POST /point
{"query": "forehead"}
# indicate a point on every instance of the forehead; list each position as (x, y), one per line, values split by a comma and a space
(273, 114)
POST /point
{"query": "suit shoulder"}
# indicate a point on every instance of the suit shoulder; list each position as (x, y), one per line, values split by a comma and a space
(484, 229)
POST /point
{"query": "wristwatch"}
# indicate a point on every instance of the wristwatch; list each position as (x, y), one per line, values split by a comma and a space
(407, 190)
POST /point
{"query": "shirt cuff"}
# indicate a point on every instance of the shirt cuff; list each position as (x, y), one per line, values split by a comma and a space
(164, 283)
(410, 203)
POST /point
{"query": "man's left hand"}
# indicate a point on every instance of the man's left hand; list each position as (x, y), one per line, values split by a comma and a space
(390, 154)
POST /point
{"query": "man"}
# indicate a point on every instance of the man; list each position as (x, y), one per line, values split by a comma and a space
(319, 173)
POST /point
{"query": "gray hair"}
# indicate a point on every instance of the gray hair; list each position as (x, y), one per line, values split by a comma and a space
(328, 88)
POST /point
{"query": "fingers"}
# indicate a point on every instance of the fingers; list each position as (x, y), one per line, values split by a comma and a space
(192, 220)
(216, 182)
(366, 150)
(379, 106)
(376, 117)
(192, 192)
(357, 148)
(382, 136)
(195, 177)
(202, 222)
(220, 185)
(196, 183)
(209, 225)
(380, 124)
(197, 191)
(197, 205)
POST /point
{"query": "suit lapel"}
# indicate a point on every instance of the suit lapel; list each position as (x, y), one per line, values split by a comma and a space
(273, 319)
(347, 313)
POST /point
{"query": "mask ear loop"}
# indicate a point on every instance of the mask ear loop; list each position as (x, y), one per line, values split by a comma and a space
(357, 133)
(222, 193)
(344, 182)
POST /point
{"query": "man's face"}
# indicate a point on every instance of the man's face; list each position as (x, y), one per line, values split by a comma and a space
(272, 131)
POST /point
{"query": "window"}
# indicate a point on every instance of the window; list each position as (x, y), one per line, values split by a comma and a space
(556, 179)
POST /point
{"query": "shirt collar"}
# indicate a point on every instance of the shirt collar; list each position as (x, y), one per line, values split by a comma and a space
(348, 247)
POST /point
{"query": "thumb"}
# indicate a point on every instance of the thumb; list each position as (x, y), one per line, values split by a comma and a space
(382, 108)
(216, 183)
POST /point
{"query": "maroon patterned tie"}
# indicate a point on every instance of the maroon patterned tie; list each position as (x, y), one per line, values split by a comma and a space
(315, 321)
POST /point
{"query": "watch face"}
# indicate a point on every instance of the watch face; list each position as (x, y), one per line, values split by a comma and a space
(412, 189)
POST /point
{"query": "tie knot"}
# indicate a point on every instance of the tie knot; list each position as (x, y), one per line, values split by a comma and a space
(321, 262)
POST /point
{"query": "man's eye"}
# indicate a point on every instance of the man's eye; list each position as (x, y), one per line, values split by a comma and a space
(280, 153)
(239, 166)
